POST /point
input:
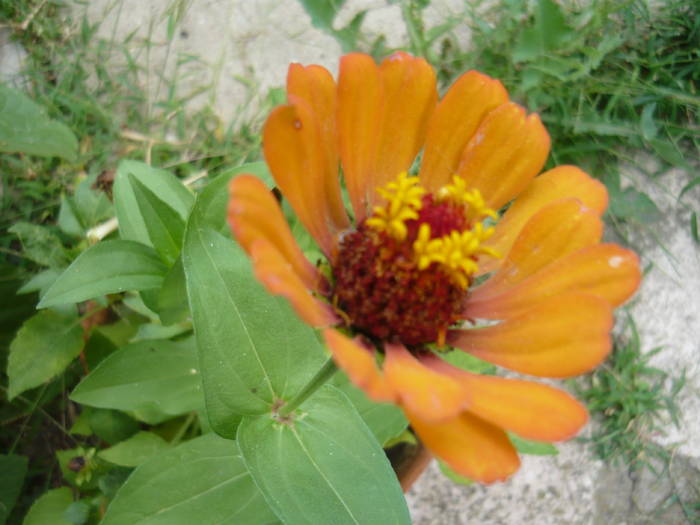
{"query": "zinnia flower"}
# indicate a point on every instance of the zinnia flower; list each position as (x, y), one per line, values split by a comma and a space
(474, 251)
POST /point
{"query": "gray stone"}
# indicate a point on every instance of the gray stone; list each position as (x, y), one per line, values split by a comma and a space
(12, 58)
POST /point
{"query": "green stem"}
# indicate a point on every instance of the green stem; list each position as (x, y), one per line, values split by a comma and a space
(323, 375)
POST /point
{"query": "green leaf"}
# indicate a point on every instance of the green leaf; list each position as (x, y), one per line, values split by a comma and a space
(536, 448)
(163, 184)
(112, 426)
(77, 513)
(41, 245)
(201, 481)
(549, 32)
(631, 204)
(385, 420)
(646, 122)
(468, 362)
(42, 348)
(253, 350)
(26, 128)
(40, 282)
(172, 298)
(325, 466)
(164, 225)
(107, 267)
(155, 380)
(323, 12)
(14, 469)
(50, 508)
(135, 450)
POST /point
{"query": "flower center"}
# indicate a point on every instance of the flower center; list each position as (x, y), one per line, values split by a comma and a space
(403, 273)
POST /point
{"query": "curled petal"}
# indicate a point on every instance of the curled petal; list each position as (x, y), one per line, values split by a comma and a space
(563, 182)
(561, 336)
(315, 85)
(253, 213)
(454, 122)
(358, 362)
(508, 149)
(531, 410)
(471, 446)
(429, 394)
(279, 278)
(557, 230)
(297, 160)
(607, 271)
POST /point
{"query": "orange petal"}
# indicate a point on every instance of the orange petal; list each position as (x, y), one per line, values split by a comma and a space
(558, 229)
(507, 151)
(297, 160)
(454, 122)
(253, 213)
(470, 446)
(279, 278)
(607, 271)
(531, 410)
(315, 85)
(409, 95)
(359, 122)
(561, 336)
(358, 362)
(559, 183)
(426, 393)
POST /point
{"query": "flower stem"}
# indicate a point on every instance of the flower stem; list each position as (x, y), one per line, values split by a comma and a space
(323, 375)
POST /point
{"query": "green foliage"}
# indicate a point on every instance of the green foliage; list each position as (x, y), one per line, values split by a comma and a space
(204, 477)
(50, 508)
(244, 368)
(318, 454)
(632, 401)
(25, 127)
(43, 348)
(153, 380)
(14, 470)
(323, 13)
(135, 450)
(107, 267)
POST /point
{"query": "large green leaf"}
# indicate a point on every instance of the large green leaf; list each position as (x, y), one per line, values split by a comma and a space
(155, 380)
(42, 348)
(50, 508)
(107, 267)
(253, 350)
(172, 297)
(201, 481)
(164, 225)
(135, 450)
(324, 466)
(13, 469)
(385, 420)
(163, 184)
(26, 128)
(40, 244)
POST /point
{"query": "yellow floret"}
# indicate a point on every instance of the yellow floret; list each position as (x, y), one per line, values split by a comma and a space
(476, 208)
(455, 252)
(403, 202)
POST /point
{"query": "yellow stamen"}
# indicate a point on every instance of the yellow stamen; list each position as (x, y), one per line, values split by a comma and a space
(403, 201)
(476, 206)
(455, 252)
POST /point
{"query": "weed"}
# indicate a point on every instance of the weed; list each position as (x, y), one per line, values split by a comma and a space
(632, 401)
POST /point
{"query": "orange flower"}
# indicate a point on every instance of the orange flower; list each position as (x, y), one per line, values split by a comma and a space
(407, 275)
